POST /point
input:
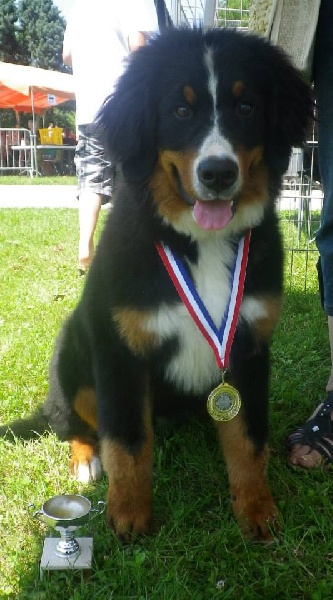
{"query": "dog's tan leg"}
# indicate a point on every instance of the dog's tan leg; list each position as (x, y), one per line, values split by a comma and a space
(252, 501)
(130, 484)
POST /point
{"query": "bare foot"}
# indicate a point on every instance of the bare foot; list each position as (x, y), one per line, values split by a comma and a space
(306, 456)
(85, 256)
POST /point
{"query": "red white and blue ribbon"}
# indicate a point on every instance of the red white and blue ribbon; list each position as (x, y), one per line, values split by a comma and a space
(220, 339)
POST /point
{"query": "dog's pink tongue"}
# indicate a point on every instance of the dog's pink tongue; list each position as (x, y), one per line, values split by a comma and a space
(212, 215)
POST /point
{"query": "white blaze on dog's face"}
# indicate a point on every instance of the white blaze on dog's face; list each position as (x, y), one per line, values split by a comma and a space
(216, 174)
(213, 182)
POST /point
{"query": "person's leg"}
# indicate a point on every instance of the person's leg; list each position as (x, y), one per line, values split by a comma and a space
(305, 454)
(89, 207)
(94, 172)
(329, 386)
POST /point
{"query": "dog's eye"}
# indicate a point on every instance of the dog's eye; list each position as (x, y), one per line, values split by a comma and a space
(183, 112)
(245, 109)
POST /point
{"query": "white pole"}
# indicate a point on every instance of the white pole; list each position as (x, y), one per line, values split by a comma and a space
(209, 14)
(34, 136)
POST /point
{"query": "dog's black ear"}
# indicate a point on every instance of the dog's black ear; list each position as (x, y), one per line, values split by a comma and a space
(128, 118)
(292, 108)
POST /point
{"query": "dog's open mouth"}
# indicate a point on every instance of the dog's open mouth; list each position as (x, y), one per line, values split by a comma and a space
(208, 214)
(214, 214)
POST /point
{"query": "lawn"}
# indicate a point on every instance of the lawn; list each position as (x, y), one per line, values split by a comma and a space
(197, 551)
(51, 180)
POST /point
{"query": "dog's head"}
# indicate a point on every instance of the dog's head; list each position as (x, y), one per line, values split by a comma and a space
(208, 120)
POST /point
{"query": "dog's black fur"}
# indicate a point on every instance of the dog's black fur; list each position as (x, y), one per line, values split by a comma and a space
(200, 124)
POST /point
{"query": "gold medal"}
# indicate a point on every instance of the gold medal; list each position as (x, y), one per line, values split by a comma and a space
(223, 402)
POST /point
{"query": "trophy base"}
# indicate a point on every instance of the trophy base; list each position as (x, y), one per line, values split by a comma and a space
(50, 561)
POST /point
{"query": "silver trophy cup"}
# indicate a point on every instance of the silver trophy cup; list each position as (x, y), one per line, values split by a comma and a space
(65, 514)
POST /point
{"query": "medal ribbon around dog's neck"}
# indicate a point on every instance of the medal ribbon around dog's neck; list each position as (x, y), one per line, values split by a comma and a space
(224, 401)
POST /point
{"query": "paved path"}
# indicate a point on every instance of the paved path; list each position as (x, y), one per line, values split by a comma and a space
(38, 196)
(64, 196)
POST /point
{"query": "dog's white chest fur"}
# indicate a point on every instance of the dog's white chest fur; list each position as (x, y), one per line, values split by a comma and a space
(193, 368)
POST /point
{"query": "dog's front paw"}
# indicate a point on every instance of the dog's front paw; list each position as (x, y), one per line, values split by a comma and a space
(129, 510)
(258, 517)
(128, 519)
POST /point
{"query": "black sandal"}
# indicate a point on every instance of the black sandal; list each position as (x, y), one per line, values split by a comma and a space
(317, 431)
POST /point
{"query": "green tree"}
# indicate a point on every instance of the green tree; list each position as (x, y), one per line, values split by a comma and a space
(31, 33)
(9, 50)
(40, 34)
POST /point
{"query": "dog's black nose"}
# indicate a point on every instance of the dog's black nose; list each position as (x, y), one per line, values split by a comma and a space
(217, 174)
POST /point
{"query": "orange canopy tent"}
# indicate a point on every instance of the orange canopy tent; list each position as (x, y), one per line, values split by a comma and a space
(29, 89)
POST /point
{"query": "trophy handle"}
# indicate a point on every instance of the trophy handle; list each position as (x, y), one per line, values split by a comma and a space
(99, 511)
(34, 513)
(37, 514)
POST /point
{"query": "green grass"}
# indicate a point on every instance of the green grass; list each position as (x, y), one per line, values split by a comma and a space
(49, 180)
(197, 551)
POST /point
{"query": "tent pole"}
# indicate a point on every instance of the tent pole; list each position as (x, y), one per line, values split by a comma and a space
(34, 136)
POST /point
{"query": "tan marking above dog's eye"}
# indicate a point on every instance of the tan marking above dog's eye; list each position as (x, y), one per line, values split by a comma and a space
(189, 94)
(237, 88)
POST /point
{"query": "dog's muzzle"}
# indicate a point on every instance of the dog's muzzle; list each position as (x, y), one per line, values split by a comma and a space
(218, 175)
(217, 185)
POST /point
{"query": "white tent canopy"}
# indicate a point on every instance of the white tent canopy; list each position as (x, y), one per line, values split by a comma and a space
(29, 89)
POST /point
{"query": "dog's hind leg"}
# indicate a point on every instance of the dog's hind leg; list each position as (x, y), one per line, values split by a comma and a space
(85, 464)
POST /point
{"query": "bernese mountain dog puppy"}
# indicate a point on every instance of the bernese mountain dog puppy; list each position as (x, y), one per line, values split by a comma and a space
(184, 292)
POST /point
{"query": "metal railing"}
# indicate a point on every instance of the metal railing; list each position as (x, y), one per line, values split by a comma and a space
(300, 206)
(217, 13)
(232, 14)
(17, 151)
